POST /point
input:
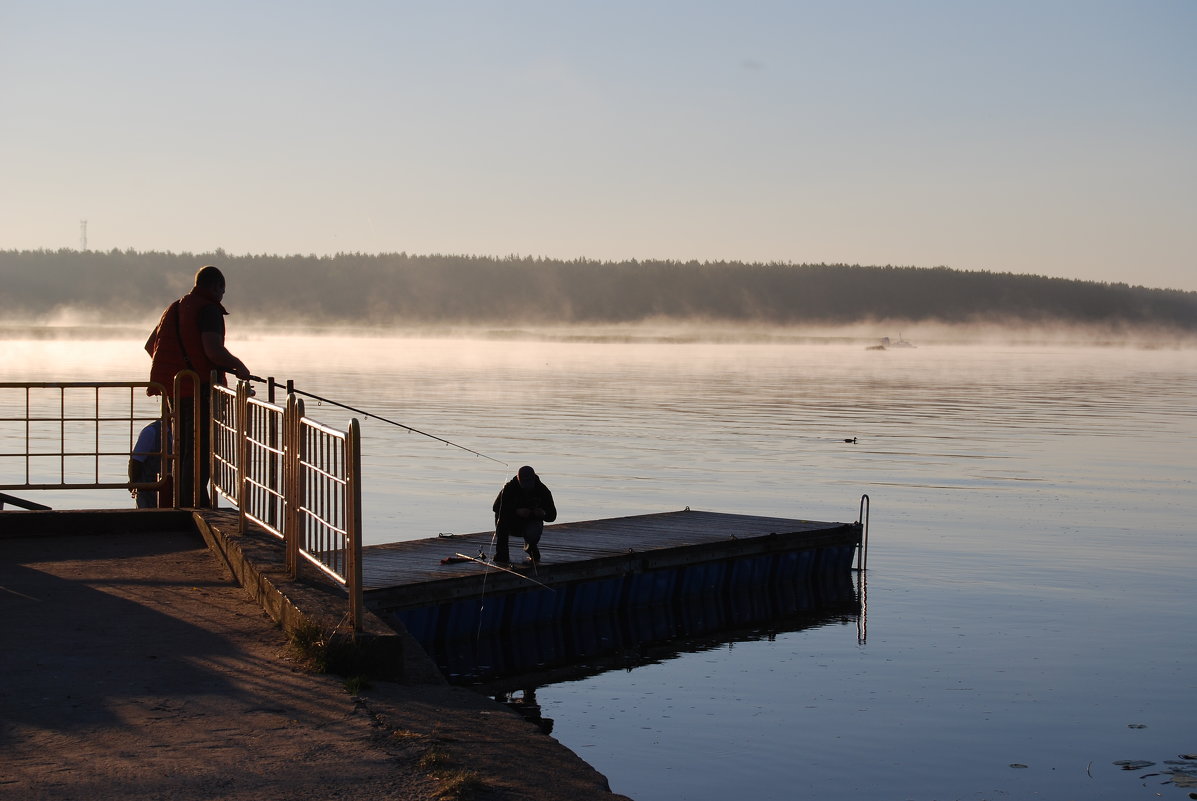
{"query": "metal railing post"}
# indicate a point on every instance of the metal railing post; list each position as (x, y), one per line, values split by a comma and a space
(214, 378)
(177, 413)
(862, 555)
(165, 450)
(61, 435)
(28, 435)
(291, 462)
(96, 429)
(242, 449)
(292, 480)
(273, 444)
(353, 527)
(174, 434)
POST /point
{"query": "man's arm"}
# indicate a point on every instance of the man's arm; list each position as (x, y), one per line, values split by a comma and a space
(219, 355)
(550, 508)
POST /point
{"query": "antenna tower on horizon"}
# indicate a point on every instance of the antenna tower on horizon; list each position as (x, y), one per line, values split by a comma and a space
(83, 235)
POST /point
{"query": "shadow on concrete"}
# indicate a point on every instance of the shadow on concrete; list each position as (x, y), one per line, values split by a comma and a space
(80, 637)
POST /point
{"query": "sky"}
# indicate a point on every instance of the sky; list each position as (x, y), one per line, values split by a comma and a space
(1049, 137)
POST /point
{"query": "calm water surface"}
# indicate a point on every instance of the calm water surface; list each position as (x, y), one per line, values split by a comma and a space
(1029, 599)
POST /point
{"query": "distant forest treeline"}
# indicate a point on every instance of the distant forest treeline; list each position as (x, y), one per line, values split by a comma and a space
(402, 289)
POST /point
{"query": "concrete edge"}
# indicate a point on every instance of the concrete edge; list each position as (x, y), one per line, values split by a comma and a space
(314, 602)
(53, 522)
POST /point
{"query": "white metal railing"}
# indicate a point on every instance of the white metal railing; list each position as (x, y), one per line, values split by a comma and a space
(297, 478)
(72, 435)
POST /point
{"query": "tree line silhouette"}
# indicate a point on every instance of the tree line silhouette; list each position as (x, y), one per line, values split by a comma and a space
(403, 289)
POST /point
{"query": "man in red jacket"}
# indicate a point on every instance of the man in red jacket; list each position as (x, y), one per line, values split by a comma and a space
(190, 336)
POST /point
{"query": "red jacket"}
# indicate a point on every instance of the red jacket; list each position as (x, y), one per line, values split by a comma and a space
(177, 344)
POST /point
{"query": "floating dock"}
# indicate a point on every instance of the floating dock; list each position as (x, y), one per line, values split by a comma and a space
(605, 584)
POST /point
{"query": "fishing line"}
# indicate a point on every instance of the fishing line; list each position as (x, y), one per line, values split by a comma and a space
(291, 388)
(482, 599)
(481, 608)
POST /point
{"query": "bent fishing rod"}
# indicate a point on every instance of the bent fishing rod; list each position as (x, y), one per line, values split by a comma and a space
(363, 412)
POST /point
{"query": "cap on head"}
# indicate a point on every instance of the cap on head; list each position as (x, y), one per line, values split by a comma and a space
(526, 476)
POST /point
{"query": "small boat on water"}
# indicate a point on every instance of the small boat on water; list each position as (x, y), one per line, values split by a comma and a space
(887, 343)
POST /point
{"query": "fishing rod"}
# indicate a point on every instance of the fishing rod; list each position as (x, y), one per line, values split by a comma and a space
(486, 563)
(291, 388)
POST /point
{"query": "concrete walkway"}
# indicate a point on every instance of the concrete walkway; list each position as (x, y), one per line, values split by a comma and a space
(134, 667)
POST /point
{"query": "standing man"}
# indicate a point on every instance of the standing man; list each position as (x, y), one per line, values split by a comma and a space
(190, 336)
(522, 508)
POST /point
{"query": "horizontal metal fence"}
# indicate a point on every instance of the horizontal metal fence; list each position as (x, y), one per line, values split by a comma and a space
(75, 435)
(295, 477)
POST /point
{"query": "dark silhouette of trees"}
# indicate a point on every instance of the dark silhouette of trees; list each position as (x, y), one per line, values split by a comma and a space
(403, 289)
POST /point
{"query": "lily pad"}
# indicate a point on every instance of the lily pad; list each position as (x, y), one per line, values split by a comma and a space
(1133, 764)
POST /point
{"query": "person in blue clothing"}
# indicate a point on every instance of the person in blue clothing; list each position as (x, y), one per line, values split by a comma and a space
(521, 509)
(145, 464)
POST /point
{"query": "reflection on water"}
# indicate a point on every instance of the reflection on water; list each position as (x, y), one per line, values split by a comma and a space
(1031, 555)
(638, 637)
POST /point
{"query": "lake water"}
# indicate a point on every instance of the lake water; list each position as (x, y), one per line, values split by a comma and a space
(1030, 615)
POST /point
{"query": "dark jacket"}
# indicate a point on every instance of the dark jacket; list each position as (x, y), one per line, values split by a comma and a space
(513, 497)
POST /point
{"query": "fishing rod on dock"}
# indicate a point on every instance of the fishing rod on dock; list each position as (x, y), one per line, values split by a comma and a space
(291, 388)
(482, 560)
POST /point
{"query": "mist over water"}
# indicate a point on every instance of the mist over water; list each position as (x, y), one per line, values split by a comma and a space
(1032, 554)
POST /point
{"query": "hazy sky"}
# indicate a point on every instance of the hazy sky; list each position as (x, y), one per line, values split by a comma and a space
(1056, 137)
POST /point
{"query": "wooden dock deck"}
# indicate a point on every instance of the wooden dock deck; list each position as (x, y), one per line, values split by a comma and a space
(609, 587)
(406, 575)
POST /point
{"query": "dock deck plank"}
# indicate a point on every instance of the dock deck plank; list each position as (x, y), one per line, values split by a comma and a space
(403, 570)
